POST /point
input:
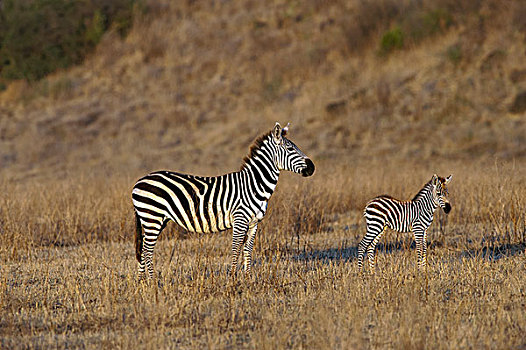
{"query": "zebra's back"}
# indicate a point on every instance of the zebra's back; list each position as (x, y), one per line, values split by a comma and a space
(388, 211)
(197, 203)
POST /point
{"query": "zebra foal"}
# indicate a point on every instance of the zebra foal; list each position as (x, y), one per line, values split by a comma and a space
(414, 215)
(200, 204)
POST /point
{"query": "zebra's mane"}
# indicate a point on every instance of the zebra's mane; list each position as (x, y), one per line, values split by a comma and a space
(424, 189)
(256, 145)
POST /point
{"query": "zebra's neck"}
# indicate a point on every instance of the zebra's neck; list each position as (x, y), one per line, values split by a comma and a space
(424, 200)
(260, 172)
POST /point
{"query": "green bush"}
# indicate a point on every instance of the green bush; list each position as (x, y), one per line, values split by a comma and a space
(416, 26)
(391, 40)
(38, 37)
(454, 54)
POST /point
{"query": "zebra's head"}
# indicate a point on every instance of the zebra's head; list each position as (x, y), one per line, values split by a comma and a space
(440, 192)
(288, 156)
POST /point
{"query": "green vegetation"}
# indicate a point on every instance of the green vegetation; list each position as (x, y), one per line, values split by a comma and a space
(392, 40)
(414, 28)
(38, 37)
(454, 54)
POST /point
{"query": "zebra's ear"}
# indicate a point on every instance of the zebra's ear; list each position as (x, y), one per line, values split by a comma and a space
(448, 179)
(434, 179)
(285, 130)
(276, 133)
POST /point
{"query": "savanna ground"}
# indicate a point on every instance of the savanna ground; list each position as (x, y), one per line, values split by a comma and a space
(380, 94)
(64, 286)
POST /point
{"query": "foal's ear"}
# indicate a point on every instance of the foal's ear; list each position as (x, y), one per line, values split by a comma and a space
(276, 133)
(285, 130)
(434, 179)
(448, 179)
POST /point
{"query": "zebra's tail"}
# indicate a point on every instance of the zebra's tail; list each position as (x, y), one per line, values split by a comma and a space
(138, 237)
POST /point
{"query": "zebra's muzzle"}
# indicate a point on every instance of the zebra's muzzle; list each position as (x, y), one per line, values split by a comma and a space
(309, 170)
(447, 208)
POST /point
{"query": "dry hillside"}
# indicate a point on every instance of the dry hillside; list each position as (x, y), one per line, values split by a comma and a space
(194, 82)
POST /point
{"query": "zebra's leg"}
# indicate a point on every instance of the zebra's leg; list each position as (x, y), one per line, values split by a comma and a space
(247, 249)
(150, 239)
(140, 270)
(240, 229)
(372, 231)
(362, 247)
(418, 233)
(372, 247)
(424, 250)
(151, 233)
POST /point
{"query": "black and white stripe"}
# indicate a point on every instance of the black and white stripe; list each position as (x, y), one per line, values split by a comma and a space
(415, 215)
(211, 204)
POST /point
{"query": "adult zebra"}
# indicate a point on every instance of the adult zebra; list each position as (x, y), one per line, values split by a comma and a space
(415, 215)
(236, 200)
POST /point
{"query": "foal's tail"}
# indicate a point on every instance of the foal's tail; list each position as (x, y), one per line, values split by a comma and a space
(138, 237)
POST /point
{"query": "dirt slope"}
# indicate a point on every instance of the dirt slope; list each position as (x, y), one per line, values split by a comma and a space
(193, 84)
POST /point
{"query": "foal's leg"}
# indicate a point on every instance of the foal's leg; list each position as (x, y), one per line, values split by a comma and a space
(372, 247)
(419, 234)
(373, 230)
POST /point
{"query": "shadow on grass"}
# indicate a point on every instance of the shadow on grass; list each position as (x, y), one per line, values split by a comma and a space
(348, 254)
(495, 253)
(327, 255)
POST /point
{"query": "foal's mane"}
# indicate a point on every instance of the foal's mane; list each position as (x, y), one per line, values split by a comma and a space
(422, 190)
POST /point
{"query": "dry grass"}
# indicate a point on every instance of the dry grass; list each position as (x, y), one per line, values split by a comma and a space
(69, 275)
